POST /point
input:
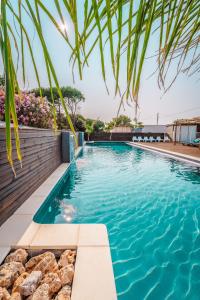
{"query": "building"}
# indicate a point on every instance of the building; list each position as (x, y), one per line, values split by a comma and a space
(122, 129)
(151, 129)
(184, 130)
(144, 129)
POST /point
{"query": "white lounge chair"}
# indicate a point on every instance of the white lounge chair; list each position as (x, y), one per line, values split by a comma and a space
(140, 139)
(146, 139)
(166, 139)
(151, 139)
(135, 139)
(158, 139)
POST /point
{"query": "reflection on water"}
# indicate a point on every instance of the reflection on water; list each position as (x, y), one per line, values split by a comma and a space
(69, 211)
(81, 163)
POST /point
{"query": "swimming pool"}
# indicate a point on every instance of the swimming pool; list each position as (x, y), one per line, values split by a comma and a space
(151, 207)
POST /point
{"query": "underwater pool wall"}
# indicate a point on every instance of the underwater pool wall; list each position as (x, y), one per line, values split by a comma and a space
(42, 154)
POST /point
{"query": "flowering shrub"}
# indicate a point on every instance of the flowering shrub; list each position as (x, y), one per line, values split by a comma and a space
(31, 111)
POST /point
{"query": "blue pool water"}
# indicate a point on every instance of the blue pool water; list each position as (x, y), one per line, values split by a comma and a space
(151, 206)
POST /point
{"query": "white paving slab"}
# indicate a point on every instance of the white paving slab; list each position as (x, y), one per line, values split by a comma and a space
(29, 234)
(31, 205)
(93, 278)
(3, 252)
(56, 236)
(13, 229)
(93, 235)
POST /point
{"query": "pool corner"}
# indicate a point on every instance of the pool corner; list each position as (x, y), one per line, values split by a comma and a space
(93, 269)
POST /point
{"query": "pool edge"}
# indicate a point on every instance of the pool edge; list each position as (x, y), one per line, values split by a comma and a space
(93, 268)
(178, 156)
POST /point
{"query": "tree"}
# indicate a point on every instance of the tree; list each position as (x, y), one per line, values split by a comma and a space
(138, 125)
(175, 22)
(79, 123)
(72, 97)
(109, 126)
(122, 120)
(99, 126)
(89, 127)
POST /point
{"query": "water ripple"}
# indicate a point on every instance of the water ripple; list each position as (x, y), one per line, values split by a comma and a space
(151, 206)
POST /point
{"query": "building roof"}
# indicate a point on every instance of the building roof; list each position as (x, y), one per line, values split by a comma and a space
(156, 125)
(192, 121)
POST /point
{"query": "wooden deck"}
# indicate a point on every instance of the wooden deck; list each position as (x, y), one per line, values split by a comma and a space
(188, 150)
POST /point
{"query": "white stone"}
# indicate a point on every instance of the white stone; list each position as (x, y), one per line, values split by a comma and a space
(30, 284)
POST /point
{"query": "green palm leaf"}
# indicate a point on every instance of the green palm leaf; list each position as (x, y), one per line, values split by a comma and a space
(177, 23)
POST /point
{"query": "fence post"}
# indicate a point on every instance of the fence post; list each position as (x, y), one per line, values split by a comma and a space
(67, 146)
(80, 138)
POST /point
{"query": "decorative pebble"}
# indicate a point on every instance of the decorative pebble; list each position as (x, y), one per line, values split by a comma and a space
(9, 273)
(4, 294)
(42, 277)
(65, 293)
(66, 274)
(42, 292)
(47, 264)
(67, 257)
(33, 261)
(16, 296)
(19, 281)
(30, 284)
(20, 255)
(53, 281)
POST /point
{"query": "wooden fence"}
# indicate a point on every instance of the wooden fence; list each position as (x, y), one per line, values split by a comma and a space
(41, 151)
(117, 136)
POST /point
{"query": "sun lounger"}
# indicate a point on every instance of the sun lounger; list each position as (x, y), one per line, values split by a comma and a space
(151, 139)
(194, 143)
(146, 139)
(140, 139)
(158, 139)
(135, 139)
(166, 139)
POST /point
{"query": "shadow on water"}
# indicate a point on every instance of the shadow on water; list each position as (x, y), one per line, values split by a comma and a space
(138, 157)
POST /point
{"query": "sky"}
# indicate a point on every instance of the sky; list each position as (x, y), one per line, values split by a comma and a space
(181, 101)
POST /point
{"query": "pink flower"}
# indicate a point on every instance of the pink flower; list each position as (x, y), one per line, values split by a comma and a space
(31, 110)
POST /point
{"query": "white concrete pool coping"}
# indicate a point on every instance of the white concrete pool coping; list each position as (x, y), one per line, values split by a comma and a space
(93, 278)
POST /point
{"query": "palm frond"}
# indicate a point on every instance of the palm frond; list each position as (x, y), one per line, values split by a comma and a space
(122, 26)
